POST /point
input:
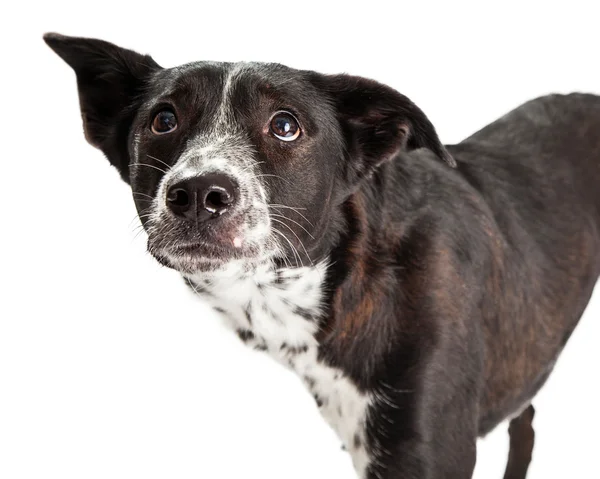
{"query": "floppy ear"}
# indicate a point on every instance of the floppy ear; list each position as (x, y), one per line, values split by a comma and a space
(378, 122)
(110, 81)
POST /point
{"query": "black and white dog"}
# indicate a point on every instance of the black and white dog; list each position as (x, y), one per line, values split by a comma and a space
(423, 293)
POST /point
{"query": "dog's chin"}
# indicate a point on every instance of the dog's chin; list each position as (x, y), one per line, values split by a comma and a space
(196, 257)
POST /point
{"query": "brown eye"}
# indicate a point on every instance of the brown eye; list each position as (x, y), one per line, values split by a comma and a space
(164, 121)
(284, 126)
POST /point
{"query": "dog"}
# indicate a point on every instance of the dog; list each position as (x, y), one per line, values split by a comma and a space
(422, 292)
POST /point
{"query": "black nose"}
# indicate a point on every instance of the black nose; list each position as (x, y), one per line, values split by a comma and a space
(202, 197)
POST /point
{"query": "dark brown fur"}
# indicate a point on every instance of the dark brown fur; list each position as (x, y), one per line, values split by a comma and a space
(457, 274)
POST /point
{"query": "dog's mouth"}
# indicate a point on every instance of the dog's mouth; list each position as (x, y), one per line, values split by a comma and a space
(182, 236)
(192, 257)
(190, 248)
(197, 248)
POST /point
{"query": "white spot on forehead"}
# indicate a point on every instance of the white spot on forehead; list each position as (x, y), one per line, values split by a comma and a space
(224, 118)
(224, 148)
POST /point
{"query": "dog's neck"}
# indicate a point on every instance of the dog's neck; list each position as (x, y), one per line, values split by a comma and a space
(269, 308)
(280, 311)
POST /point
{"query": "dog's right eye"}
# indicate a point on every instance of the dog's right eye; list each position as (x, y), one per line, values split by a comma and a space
(284, 126)
(164, 121)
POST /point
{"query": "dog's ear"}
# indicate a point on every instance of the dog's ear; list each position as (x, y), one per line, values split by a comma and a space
(378, 122)
(110, 81)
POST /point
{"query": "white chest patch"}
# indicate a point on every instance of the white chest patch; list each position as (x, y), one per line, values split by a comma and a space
(279, 312)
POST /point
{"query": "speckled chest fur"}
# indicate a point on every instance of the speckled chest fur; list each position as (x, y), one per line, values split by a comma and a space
(279, 312)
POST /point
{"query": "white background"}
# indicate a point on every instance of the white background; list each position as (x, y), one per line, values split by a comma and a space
(109, 366)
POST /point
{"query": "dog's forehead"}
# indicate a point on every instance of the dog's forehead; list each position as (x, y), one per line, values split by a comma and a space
(226, 96)
(213, 78)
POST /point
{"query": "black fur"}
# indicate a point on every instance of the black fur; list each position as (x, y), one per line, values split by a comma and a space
(457, 273)
(111, 82)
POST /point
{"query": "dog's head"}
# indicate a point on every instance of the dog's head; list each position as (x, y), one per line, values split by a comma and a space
(242, 162)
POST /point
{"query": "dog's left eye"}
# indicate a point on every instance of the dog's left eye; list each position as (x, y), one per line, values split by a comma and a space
(284, 126)
(164, 121)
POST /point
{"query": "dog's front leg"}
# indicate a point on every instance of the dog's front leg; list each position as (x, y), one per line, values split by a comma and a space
(422, 421)
(428, 434)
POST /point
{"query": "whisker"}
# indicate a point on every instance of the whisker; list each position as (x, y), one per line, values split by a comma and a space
(160, 161)
(280, 250)
(286, 206)
(299, 240)
(295, 222)
(143, 194)
(149, 166)
(284, 256)
(274, 176)
(137, 216)
(138, 233)
(251, 166)
(294, 250)
(294, 210)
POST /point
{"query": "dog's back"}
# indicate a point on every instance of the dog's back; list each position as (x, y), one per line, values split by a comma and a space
(538, 170)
